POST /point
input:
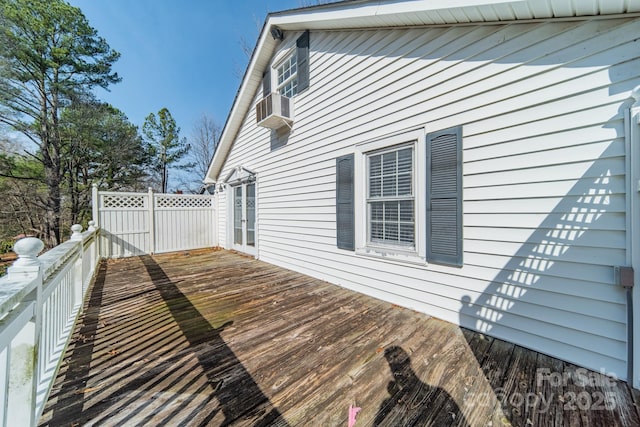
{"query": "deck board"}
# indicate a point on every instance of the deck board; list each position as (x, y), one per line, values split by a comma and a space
(212, 337)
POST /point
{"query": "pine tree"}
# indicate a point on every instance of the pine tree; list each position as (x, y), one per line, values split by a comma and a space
(165, 145)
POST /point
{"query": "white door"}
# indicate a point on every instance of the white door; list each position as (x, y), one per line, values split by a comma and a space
(244, 218)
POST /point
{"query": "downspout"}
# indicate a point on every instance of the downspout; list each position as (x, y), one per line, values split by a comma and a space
(630, 351)
(631, 275)
(624, 278)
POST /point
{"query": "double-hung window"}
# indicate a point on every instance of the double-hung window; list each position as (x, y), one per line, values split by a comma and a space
(391, 198)
(288, 76)
(400, 197)
(290, 70)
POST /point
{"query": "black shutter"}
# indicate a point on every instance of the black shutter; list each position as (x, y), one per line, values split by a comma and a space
(303, 61)
(444, 196)
(266, 82)
(345, 217)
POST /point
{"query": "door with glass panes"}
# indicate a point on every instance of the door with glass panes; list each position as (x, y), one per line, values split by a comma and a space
(244, 217)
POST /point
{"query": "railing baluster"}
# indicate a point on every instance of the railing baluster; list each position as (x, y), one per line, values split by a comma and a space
(43, 338)
(55, 297)
(49, 334)
(8, 384)
(4, 389)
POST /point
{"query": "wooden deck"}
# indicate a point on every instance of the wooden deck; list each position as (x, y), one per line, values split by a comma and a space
(216, 338)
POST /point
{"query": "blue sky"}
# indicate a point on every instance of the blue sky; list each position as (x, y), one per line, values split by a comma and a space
(183, 55)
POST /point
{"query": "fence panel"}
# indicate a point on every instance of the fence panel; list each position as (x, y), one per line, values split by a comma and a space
(183, 222)
(142, 223)
(125, 226)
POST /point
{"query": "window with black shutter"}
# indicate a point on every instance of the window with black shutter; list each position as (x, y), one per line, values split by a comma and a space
(345, 219)
(266, 83)
(444, 197)
(291, 74)
(390, 197)
(302, 54)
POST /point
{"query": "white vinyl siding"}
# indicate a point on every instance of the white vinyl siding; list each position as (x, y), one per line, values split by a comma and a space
(541, 108)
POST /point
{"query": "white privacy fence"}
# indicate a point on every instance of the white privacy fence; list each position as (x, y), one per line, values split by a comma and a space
(40, 298)
(143, 223)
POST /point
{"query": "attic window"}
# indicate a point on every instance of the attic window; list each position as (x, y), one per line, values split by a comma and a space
(288, 76)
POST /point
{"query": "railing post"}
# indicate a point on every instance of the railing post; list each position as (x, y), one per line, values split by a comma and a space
(152, 222)
(27, 265)
(76, 232)
(95, 212)
(95, 251)
(95, 202)
(23, 370)
(78, 275)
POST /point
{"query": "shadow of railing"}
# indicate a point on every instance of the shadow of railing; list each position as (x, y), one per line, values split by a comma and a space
(70, 402)
(557, 292)
(163, 365)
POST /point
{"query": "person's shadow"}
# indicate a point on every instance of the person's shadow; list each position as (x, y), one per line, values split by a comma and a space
(412, 402)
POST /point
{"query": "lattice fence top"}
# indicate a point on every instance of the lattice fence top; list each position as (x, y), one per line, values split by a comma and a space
(124, 201)
(183, 201)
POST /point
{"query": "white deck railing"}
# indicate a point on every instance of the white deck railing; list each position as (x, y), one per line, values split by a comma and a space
(40, 298)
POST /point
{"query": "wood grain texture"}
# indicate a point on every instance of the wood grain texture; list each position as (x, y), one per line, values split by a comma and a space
(211, 337)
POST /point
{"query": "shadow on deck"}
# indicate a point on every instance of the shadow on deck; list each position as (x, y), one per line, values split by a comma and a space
(216, 338)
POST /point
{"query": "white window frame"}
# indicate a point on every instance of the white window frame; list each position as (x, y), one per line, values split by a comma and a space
(294, 76)
(417, 253)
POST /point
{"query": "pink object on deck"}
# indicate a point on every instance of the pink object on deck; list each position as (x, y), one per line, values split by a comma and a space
(353, 411)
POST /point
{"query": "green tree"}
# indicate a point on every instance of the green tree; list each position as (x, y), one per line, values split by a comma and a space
(21, 189)
(48, 53)
(102, 147)
(165, 145)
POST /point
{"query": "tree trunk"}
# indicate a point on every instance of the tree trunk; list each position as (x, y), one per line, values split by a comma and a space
(52, 178)
(72, 180)
(50, 147)
(164, 178)
(164, 169)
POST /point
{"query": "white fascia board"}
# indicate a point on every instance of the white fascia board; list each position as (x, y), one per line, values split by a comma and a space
(348, 12)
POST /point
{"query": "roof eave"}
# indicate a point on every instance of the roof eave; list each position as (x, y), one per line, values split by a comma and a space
(362, 14)
(242, 103)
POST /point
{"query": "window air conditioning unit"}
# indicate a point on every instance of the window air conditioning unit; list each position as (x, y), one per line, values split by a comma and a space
(274, 111)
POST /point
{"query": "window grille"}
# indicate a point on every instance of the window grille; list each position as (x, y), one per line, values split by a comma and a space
(390, 198)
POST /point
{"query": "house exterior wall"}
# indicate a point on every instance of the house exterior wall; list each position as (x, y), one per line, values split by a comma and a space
(541, 107)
